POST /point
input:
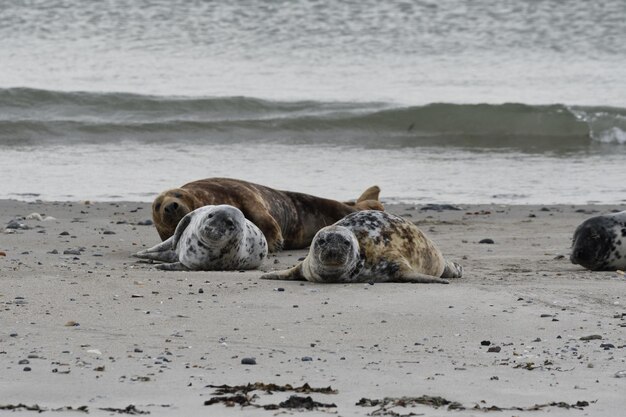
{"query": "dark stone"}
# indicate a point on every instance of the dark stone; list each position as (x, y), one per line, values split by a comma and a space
(487, 241)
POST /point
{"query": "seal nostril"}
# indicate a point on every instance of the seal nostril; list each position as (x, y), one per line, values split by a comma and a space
(170, 208)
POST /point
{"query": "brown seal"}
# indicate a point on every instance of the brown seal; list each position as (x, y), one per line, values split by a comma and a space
(289, 220)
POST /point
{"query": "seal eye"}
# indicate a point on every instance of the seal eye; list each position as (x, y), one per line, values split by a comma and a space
(321, 241)
(345, 242)
(157, 207)
(211, 216)
(178, 195)
(229, 223)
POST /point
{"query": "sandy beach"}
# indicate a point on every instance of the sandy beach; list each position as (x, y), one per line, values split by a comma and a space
(85, 325)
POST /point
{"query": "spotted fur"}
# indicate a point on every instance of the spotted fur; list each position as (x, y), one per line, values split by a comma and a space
(211, 238)
(372, 246)
(599, 243)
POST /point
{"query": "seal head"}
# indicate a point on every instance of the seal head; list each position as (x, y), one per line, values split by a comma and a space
(334, 255)
(598, 243)
(218, 231)
(169, 208)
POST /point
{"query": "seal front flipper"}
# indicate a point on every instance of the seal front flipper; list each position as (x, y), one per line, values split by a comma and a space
(174, 266)
(166, 251)
(163, 252)
(417, 278)
(293, 274)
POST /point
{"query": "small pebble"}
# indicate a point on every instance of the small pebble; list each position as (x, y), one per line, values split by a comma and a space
(144, 223)
(487, 241)
(108, 232)
(485, 343)
(14, 224)
(306, 359)
(248, 361)
(23, 362)
(71, 252)
(495, 349)
(620, 374)
(591, 337)
(64, 234)
(27, 369)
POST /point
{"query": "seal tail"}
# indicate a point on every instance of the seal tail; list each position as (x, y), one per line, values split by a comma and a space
(163, 252)
(368, 200)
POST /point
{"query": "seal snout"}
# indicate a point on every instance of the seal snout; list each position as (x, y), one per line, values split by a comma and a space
(333, 248)
(171, 208)
(173, 211)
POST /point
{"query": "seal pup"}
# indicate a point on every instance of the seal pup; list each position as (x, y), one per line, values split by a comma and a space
(288, 219)
(599, 243)
(371, 246)
(211, 238)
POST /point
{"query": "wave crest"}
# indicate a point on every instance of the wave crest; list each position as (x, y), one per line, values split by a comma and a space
(33, 117)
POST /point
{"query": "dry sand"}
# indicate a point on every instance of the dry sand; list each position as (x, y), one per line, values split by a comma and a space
(101, 330)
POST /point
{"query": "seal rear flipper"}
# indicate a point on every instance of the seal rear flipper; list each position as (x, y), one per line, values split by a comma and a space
(369, 205)
(452, 270)
(292, 274)
(369, 200)
(417, 278)
(174, 266)
(163, 252)
(371, 193)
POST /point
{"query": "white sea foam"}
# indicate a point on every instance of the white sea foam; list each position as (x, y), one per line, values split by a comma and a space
(612, 135)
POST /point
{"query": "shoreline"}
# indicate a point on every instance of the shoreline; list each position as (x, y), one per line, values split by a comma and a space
(99, 329)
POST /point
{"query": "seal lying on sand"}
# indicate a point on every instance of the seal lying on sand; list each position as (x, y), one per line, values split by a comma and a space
(211, 238)
(600, 243)
(371, 246)
(289, 220)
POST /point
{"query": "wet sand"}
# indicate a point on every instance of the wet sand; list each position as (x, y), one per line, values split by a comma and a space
(95, 328)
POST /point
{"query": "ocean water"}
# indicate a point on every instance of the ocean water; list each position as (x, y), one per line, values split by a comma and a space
(435, 101)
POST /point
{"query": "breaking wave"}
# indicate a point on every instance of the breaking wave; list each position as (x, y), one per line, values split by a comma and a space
(30, 117)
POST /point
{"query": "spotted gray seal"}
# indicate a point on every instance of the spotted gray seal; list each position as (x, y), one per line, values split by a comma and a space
(289, 220)
(599, 243)
(211, 238)
(371, 246)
